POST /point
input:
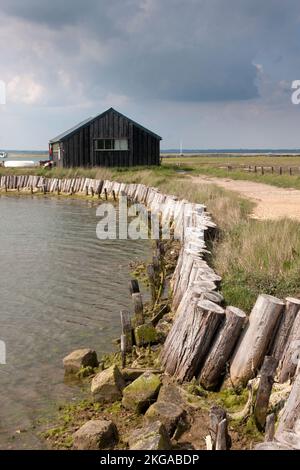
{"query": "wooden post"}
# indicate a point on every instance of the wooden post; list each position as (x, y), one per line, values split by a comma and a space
(280, 170)
(291, 171)
(255, 169)
(138, 309)
(31, 189)
(114, 195)
(219, 434)
(290, 356)
(72, 190)
(123, 350)
(126, 328)
(92, 191)
(258, 336)
(105, 193)
(190, 338)
(86, 190)
(215, 364)
(262, 170)
(267, 374)
(222, 439)
(292, 308)
(270, 428)
(288, 428)
(151, 277)
(57, 187)
(134, 287)
(272, 170)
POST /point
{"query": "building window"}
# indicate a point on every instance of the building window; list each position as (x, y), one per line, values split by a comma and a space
(111, 144)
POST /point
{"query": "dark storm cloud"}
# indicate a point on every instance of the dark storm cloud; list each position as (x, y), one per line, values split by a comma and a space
(180, 50)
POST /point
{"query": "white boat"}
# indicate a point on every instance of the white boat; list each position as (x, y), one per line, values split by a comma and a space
(20, 164)
(3, 155)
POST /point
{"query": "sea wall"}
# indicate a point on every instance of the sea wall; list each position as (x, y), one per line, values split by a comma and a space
(206, 340)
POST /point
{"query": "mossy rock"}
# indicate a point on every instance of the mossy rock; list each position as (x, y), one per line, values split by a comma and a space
(139, 395)
(168, 413)
(107, 386)
(145, 334)
(151, 437)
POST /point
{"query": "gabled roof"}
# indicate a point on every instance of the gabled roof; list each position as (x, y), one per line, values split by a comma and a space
(88, 121)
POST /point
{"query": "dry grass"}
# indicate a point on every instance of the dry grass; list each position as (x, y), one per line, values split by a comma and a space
(259, 257)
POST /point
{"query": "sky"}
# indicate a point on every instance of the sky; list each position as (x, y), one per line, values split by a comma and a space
(212, 73)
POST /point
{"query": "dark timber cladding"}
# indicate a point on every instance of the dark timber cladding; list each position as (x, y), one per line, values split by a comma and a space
(110, 139)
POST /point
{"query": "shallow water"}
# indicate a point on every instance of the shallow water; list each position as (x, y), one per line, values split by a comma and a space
(61, 288)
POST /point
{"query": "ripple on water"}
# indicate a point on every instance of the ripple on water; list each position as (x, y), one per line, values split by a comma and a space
(61, 289)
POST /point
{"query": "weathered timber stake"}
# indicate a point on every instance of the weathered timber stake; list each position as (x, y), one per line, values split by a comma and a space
(267, 374)
(270, 428)
(138, 309)
(114, 195)
(216, 416)
(123, 350)
(92, 191)
(222, 439)
(31, 189)
(288, 428)
(126, 328)
(258, 335)
(292, 308)
(86, 190)
(134, 287)
(290, 355)
(105, 193)
(151, 278)
(190, 338)
(215, 364)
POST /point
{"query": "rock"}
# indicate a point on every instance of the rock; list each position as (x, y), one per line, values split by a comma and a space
(95, 434)
(141, 392)
(145, 334)
(151, 437)
(79, 359)
(130, 374)
(163, 328)
(170, 393)
(167, 413)
(107, 386)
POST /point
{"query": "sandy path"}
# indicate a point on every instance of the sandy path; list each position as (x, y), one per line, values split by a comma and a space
(271, 202)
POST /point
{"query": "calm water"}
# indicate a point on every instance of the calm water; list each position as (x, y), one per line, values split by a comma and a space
(61, 288)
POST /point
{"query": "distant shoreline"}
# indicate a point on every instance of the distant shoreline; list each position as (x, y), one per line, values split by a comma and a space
(187, 154)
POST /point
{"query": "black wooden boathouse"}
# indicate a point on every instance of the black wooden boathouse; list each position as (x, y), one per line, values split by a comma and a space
(109, 139)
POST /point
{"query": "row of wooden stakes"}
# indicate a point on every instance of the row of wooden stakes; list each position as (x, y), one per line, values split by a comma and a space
(205, 340)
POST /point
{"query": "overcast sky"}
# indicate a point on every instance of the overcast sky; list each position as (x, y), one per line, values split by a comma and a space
(214, 73)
